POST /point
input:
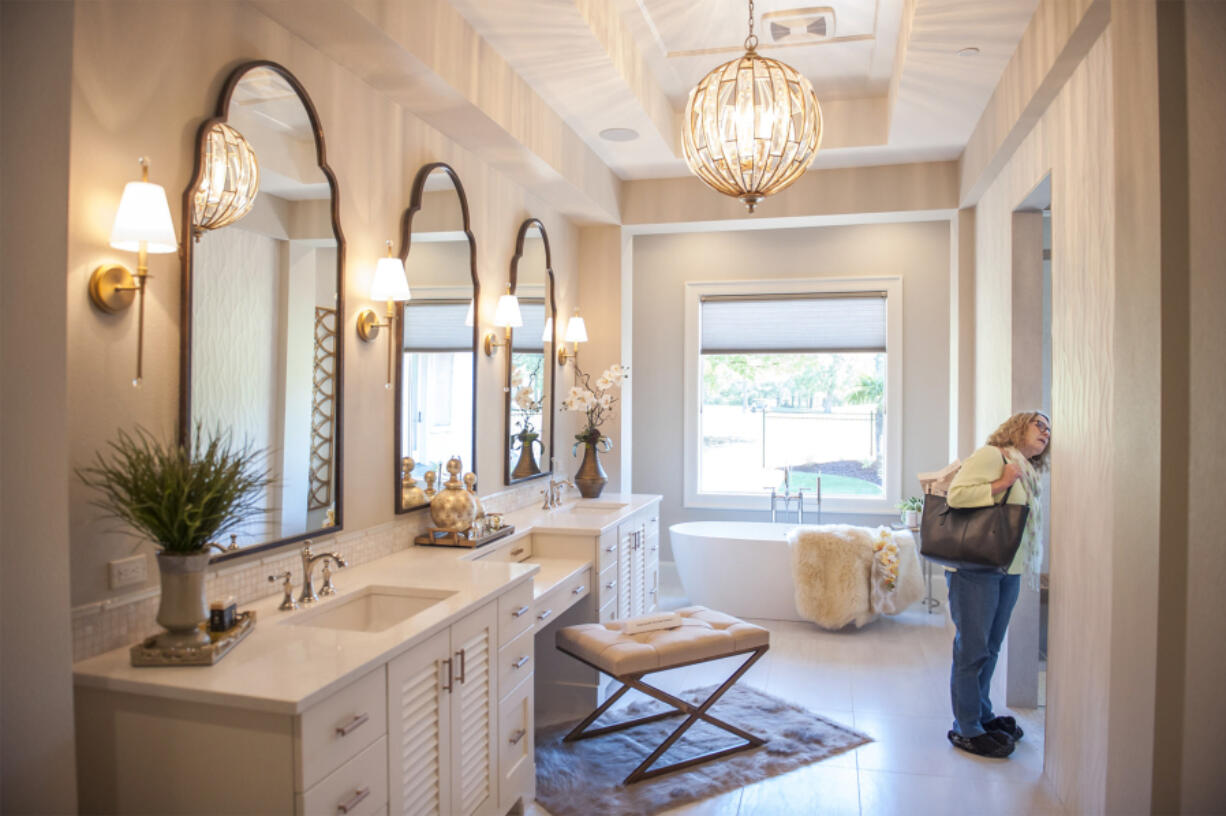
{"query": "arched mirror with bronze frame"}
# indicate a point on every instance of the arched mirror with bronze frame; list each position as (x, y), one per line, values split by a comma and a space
(531, 380)
(437, 334)
(263, 283)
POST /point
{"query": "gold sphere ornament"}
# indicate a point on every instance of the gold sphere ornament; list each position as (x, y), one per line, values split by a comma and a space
(411, 494)
(453, 508)
(752, 126)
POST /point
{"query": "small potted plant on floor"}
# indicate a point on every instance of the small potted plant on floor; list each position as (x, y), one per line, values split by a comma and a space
(911, 507)
(181, 498)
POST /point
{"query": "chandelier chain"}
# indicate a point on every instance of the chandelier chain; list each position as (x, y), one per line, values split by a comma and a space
(751, 42)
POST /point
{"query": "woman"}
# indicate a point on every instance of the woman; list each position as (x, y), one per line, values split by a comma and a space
(981, 601)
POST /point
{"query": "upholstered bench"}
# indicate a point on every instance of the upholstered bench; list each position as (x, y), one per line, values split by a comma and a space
(703, 635)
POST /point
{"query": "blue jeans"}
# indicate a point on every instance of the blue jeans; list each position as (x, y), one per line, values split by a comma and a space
(980, 603)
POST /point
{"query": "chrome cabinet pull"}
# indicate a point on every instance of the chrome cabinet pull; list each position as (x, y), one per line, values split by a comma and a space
(447, 685)
(610, 585)
(544, 614)
(357, 722)
(517, 736)
(517, 551)
(519, 612)
(460, 654)
(611, 548)
(353, 801)
(579, 590)
(519, 664)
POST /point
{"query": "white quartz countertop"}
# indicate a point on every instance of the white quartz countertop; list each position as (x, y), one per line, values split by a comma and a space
(285, 668)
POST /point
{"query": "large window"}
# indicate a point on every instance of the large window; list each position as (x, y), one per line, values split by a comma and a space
(789, 382)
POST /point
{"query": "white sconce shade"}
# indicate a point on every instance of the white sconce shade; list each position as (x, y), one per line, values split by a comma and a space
(506, 314)
(468, 318)
(547, 335)
(576, 330)
(390, 282)
(144, 215)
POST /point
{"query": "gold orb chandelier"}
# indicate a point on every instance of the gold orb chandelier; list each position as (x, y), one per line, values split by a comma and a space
(752, 126)
(229, 181)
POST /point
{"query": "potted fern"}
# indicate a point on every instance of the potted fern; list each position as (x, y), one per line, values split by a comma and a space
(181, 498)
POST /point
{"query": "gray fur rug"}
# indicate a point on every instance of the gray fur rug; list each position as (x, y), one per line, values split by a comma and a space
(584, 778)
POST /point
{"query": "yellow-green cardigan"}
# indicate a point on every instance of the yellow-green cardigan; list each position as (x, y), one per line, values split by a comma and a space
(972, 487)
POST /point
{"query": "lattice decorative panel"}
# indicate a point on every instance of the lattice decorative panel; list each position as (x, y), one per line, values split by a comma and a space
(323, 409)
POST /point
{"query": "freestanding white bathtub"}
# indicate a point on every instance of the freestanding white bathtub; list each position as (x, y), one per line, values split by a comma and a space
(743, 568)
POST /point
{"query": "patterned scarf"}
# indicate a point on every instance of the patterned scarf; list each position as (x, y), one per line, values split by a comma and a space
(1032, 536)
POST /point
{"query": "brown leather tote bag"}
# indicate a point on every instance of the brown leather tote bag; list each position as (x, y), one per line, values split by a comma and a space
(984, 538)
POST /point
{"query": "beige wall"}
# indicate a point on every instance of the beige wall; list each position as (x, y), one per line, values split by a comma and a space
(1202, 786)
(919, 252)
(149, 100)
(36, 729)
(1072, 141)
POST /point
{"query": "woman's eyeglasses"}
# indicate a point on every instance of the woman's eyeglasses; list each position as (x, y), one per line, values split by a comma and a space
(1041, 425)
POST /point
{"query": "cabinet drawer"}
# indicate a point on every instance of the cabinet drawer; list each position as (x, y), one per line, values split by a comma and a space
(562, 597)
(357, 788)
(337, 728)
(516, 661)
(516, 550)
(607, 554)
(516, 763)
(608, 612)
(514, 613)
(606, 585)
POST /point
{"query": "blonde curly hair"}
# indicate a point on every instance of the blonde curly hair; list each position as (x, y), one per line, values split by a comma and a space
(1013, 430)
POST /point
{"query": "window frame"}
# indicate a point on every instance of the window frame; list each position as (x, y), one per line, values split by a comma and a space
(692, 425)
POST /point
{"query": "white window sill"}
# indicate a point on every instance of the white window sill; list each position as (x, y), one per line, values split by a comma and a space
(762, 503)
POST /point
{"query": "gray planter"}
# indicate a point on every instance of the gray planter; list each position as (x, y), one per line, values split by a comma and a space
(183, 607)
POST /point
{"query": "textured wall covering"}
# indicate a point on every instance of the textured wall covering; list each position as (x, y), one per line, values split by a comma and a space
(235, 326)
(1072, 141)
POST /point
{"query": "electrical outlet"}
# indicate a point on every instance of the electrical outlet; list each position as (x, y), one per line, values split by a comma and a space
(127, 571)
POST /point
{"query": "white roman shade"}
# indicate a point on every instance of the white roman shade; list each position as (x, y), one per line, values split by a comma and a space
(527, 337)
(437, 325)
(764, 324)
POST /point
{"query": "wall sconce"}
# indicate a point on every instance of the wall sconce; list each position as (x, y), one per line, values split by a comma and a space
(506, 314)
(142, 225)
(390, 284)
(576, 333)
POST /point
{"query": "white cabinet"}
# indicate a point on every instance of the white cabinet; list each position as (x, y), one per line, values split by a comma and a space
(441, 709)
(638, 563)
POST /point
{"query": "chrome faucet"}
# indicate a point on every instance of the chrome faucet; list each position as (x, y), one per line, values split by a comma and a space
(553, 492)
(800, 499)
(308, 567)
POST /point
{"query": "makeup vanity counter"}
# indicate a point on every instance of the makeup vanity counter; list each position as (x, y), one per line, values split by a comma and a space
(435, 710)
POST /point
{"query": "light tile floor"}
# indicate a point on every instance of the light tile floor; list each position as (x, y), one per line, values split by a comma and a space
(891, 681)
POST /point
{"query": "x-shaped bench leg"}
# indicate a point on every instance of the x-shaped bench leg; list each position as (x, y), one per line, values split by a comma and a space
(695, 713)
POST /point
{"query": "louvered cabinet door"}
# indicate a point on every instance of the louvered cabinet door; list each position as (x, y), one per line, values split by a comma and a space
(638, 575)
(419, 734)
(625, 577)
(651, 566)
(474, 780)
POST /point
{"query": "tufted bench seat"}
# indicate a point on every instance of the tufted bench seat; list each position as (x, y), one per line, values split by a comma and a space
(704, 635)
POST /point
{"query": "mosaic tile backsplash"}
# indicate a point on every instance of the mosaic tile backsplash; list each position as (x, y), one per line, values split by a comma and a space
(105, 625)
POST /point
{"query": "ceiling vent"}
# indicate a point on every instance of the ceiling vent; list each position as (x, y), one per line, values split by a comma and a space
(798, 26)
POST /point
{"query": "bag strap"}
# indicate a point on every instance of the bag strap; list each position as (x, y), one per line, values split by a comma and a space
(1009, 489)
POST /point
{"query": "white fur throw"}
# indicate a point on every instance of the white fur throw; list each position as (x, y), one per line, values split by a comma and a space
(832, 565)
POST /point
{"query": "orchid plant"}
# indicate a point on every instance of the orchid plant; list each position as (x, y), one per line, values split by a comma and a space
(595, 401)
(527, 397)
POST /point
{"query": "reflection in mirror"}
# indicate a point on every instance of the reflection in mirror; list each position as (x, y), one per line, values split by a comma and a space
(529, 403)
(262, 279)
(436, 377)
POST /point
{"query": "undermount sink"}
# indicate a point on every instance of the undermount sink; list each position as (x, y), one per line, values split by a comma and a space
(592, 506)
(372, 609)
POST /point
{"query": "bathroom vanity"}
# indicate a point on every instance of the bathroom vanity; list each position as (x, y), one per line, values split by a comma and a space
(412, 690)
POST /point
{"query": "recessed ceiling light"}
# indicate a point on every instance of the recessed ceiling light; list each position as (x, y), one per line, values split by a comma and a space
(619, 134)
(968, 52)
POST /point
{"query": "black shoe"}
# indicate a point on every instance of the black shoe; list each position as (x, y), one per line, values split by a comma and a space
(1005, 725)
(984, 745)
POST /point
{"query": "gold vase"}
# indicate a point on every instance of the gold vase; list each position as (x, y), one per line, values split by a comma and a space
(453, 508)
(591, 477)
(527, 466)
